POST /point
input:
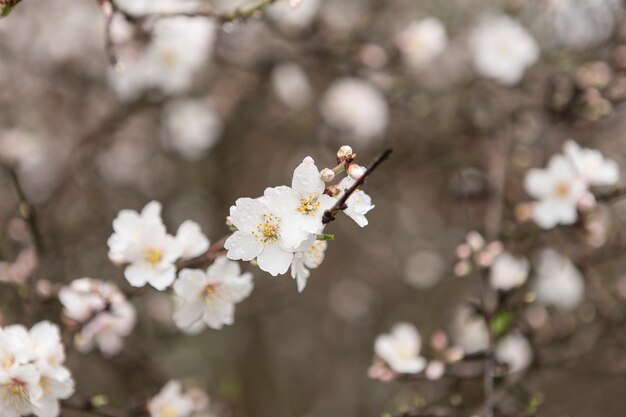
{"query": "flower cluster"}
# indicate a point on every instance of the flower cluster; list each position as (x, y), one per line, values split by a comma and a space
(100, 312)
(32, 376)
(172, 401)
(563, 186)
(280, 228)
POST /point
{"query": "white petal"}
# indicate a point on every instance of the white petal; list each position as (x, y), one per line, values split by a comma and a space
(190, 284)
(191, 239)
(306, 179)
(281, 201)
(247, 213)
(275, 260)
(292, 231)
(188, 313)
(163, 277)
(242, 246)
(137, 275)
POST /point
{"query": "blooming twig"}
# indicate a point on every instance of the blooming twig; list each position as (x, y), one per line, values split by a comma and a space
(329, 215)
(216, 250)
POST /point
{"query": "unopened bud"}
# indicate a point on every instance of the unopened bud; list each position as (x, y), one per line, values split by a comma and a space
(344, 152)
(229, 221)
(327, 175)
(356, 171)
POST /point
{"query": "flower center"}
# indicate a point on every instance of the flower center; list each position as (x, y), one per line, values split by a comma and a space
(562, 189)
(267, 232)
(8, 362)
(169, 58)
(153, 256)
(18, 389)
(211, 293)
(168, 411)
(309, 206)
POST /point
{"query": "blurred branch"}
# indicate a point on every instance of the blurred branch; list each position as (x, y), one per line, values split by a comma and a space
(430, 412)
(497, 167)
(6, 6)
(89, 408)
(329, 215)
(616, 194)
(214, 252)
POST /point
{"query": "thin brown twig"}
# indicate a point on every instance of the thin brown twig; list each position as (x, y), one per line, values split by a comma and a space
(329, 215)
(214, 252)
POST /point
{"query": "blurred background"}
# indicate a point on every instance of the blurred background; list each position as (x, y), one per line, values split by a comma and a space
(88, 139)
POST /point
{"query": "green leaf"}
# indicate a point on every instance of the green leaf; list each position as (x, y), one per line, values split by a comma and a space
(326, 236)
(501, 322)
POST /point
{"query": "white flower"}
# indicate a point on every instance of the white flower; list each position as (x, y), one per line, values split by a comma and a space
(558, 189)
(129, 226)
(171, 402)
(508, 272)
(20, 391)
(179, 46)
(263, 232)
(359, 203)
(293, 18)
(310, 255)
(103, 311)
(401, 349)
(357, 108)
(502, 49)
(193, 128)
(558, 282)
(292, 85)
(210, 296)
(422, 41)
(140, 7)
(191, 240)
(469, 331)
(514, 351)
(591, 165)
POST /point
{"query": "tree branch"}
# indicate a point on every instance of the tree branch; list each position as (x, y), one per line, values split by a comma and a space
(329, 215)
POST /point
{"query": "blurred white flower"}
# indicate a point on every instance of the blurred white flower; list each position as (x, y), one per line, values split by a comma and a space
(359, 203)
(292, 85)
(210, 296)
(514, 351)
(32, 376)
(191, 240)
(502, 49)
(309, 255)
(558, 282)
(263, 230)
(193, 128)
(422, 41)
(591, 165)
(356, 108)
(171, 402)
(179, 46)
(400, 349)
(293, 18)
(141, 7)
(424, 269)
(508, 272)
(142, 241)
(104, 314)
(469, 331)
(558, 188)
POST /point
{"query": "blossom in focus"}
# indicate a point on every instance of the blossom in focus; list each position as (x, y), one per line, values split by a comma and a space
(502, 49)
(192, 127)
(191, 240)
(357, 108)
(594, 168)
(558, 282)
(210, 297)
(263, 230)
(359, 203)
(33, 377)
(514, 351)
(309, 255)
(558, 188)
(103, 313)
(422, 41)
(400, 349)
(171, 402)
(508, 272)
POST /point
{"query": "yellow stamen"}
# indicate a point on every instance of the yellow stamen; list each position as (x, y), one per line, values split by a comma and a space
(562, 189)
(153, 256)
(267, 232)
(168, 411)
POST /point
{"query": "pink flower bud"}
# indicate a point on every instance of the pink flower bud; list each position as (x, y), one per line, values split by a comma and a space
(344, 152)
(308, 160)
(356, 171)
(229, 221)
(327, 175)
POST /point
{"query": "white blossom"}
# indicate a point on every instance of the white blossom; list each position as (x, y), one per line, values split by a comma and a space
(558, 188)
(591, 165)
(103, 312)
(422, 41)
(171, 402)
(508, 272)
(191, 240)
(357, 108)
(502, 49)
(514, 351)
(558, 282)
(469, 331)
(291, 85)
(310, 255)
(400, 349)
(192, 126)
(359, 203)
(293, 18)
(210, 296)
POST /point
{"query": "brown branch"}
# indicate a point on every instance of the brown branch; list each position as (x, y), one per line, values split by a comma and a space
(85, 406)
(215, 251)
(329, 215)
(615, 194)
(430, 412)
